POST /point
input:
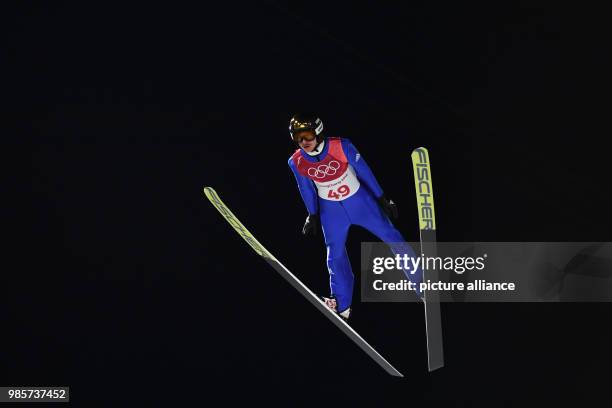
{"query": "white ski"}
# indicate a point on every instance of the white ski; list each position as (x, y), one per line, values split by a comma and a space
(427, 226)
(296, 283)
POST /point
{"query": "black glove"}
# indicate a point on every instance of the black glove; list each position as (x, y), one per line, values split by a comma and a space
(312, 225)
(388, 207)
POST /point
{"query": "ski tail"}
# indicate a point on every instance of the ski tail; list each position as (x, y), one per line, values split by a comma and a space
(427, 227)
(296, 283)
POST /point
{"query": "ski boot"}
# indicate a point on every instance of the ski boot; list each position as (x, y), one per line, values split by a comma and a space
(331, 303)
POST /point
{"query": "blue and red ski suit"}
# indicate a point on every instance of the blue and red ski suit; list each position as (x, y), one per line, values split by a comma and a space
(338, 185)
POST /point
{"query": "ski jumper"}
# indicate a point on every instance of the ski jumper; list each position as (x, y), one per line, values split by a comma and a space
(338, 185)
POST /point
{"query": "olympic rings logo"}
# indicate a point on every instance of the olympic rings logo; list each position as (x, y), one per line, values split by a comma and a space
(324, 170)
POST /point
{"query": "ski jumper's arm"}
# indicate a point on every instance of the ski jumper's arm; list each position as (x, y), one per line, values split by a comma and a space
(361, 168)
(307, 190)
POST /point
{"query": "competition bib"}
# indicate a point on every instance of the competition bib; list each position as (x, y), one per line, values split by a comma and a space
(334, 178)
(341, 188)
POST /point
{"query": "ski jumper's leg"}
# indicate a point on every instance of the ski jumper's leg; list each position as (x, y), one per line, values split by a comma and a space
(335, 224)
(371, 217)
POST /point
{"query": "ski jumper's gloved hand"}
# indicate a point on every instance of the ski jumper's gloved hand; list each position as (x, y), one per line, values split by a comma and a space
(312, 225)
(389, 207)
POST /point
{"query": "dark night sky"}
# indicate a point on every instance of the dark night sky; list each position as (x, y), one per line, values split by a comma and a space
(119, 272)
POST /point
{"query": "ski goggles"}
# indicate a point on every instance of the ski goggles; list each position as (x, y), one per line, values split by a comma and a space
(299, 136)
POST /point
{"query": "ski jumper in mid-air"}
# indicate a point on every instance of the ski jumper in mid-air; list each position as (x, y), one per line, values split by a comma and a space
(340, 190)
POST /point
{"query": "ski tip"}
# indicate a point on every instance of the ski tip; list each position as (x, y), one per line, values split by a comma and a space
(210, 193)
(422, 150)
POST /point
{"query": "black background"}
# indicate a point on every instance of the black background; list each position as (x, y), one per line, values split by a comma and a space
(123, 282)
